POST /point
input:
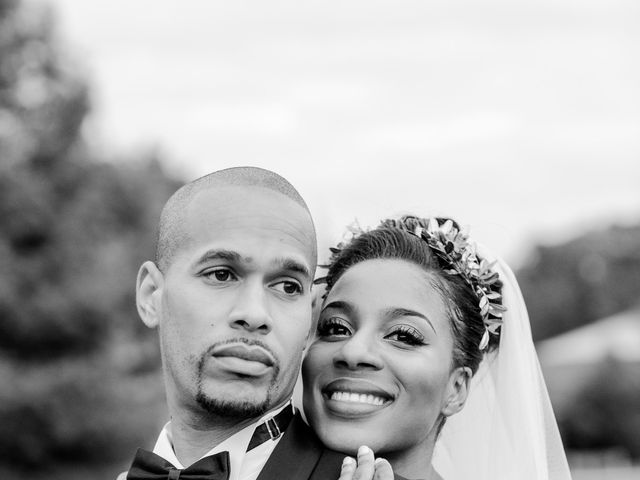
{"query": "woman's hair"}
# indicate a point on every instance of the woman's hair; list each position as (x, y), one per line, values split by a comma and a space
(393, 239)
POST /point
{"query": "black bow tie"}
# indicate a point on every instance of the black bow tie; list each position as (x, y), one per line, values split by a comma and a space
(149, 466)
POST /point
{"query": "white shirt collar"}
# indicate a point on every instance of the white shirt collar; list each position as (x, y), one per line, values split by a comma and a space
(244, 465)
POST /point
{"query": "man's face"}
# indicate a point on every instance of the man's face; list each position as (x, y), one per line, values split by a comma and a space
(234, 308)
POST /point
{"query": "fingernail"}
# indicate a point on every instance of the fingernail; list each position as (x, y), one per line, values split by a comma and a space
(363, 450)
(348, 461)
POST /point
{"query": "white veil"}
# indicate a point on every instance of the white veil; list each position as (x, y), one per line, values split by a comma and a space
(507, 429)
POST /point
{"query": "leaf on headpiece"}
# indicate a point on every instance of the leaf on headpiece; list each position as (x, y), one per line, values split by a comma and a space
(494, 327)
(494, 296)
(446, 228)
(490, 278)
(496, 307)
(485, 340)
(483, 300)
(449, 247)
(334, 250)
(433, 226)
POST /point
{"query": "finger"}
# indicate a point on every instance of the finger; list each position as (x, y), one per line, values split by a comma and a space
(348, 468)
(383, 470)
(366, 467)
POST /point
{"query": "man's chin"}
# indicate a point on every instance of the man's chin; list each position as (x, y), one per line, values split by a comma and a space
(232, 408)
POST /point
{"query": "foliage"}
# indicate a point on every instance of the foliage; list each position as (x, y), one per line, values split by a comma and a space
(81, 385)
(593, 276)
(606, 413)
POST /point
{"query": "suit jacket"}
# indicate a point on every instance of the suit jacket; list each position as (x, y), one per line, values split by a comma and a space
(299, 455)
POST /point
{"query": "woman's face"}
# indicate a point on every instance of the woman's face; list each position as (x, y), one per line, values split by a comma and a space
(379, 372)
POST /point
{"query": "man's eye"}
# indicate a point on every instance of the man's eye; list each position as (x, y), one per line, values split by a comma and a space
(221, 275)
(288, 287)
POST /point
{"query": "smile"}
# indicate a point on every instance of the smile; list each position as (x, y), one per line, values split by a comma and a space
(354, 397)
(357, 398)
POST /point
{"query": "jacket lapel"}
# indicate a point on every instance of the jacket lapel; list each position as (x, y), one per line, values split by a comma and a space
(300, 456)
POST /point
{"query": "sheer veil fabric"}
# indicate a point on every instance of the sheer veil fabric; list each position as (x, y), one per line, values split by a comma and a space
(507, 429)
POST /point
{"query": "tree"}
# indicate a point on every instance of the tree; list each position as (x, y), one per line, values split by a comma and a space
(81, 381)
(606, 413)
(590, 277)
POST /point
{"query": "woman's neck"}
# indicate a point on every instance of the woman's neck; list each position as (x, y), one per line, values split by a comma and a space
(415, 462)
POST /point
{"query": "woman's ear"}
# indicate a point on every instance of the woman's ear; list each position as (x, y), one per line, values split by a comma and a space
(458, 389)
(148, 290)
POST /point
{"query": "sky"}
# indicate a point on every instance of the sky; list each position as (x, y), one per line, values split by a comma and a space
(519, 119)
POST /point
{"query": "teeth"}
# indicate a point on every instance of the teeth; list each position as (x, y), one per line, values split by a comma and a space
(357, 398)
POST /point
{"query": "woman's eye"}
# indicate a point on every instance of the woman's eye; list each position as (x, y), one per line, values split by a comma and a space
(288, 287)
(333, 327)
(407, 335)
(221, 275)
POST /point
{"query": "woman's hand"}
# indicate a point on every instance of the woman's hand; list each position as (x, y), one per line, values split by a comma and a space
(366, 467)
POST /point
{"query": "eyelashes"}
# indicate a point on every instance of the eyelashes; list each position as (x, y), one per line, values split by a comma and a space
(224, 275)
(333, 327)
(406, 334)
(337, 328)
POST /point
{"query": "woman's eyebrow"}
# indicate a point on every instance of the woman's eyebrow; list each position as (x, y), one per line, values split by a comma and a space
(395, 312)
(339, 305)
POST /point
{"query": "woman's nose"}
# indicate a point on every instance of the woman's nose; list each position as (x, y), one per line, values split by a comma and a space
(250, 311)
(358, 352)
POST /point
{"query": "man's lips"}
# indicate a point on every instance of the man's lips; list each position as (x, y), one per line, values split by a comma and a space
(250, 353)
(242, 359)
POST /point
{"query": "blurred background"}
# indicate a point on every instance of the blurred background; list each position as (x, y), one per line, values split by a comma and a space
(520, 119)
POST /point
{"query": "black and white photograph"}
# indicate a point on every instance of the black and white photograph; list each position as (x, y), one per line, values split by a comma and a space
(367, 240)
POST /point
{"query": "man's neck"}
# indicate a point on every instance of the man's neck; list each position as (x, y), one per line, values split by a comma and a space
(193, 435)
(195, 432)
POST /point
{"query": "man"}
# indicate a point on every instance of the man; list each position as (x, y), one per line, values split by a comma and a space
(230, 293)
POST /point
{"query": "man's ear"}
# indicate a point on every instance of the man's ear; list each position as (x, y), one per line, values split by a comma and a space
(148, 291)
(458, 389)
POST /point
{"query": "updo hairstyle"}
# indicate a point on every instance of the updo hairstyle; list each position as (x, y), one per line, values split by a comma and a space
(392, 240)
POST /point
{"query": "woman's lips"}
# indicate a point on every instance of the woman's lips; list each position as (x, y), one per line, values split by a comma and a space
(355, 397)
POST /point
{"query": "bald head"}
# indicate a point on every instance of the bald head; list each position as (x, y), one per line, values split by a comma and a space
(172, 231)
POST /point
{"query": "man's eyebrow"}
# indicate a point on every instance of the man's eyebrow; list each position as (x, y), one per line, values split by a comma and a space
(339, 305)
(228, 255)
(396, 312)
(292, 265)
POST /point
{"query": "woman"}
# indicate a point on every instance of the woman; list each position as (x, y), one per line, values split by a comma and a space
(410, 312)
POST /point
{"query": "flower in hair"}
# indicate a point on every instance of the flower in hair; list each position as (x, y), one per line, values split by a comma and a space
(458, 256)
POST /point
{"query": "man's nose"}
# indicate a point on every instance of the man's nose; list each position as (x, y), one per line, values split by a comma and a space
(359, 352)
(251, 310)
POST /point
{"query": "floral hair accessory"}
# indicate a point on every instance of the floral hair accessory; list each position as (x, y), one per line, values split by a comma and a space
(458, 254)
